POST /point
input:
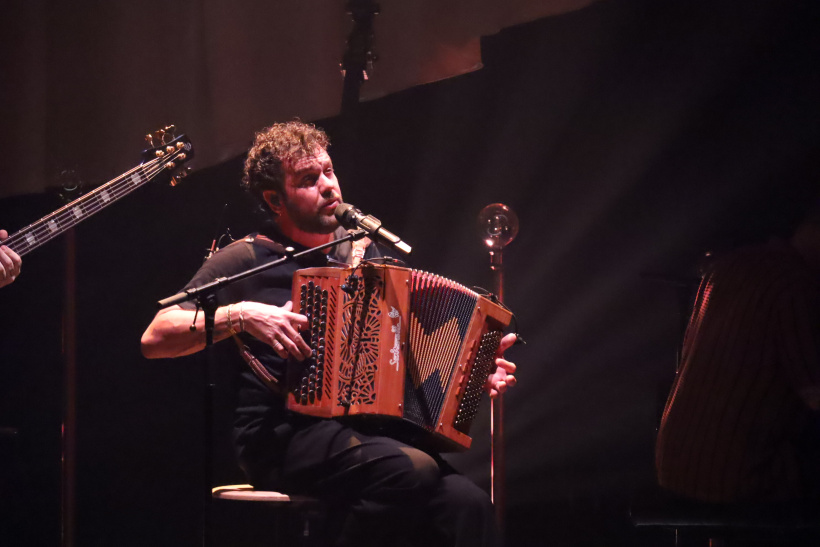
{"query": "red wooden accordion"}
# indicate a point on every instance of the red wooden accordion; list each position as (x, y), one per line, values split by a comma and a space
(404, 349)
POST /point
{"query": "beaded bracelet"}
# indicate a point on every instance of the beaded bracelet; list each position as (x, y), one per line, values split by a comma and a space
(230, 323)
(241, 316)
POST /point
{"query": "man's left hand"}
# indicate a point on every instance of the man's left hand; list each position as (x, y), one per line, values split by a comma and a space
(502, 378)
(10, 262)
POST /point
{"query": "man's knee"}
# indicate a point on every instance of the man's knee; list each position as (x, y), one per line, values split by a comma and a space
(422, 469)
(392, 472)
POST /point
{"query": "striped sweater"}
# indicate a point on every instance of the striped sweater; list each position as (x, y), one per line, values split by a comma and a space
(740, 405)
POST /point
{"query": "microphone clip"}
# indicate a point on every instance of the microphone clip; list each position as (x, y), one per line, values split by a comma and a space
(352, 218)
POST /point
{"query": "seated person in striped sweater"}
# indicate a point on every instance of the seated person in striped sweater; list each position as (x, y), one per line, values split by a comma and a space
(740, 424)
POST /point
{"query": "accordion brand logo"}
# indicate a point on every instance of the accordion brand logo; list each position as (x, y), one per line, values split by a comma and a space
(395, 328)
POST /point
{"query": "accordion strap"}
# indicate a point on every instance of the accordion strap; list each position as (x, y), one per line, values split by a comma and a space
(244, 351)
(257, 367)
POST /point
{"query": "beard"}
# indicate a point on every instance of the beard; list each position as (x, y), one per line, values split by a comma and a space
(310, 221)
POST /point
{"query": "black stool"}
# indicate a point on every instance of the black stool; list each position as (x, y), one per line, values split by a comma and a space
(293, 524)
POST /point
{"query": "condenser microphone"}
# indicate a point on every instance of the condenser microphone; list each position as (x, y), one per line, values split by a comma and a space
(351, 218)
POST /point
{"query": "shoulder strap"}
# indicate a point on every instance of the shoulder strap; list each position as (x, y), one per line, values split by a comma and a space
(265, 241)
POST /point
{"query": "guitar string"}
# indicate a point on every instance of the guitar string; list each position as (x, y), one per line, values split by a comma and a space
(58, 215)
(65, 217)
(116, 188)
(42, 233)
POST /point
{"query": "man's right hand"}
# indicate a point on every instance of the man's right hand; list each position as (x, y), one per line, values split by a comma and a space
(277, 327)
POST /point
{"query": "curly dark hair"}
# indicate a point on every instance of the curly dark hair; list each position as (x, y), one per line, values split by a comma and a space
(272, 147)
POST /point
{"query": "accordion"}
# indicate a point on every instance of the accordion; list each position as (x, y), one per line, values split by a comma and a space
(404, 350)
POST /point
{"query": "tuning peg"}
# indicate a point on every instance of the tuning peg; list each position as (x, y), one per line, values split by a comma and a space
(149, 138)
(177, 177)
(168, 134)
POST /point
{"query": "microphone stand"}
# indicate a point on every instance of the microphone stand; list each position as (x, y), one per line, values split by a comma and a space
(498, 226)
(205, 296)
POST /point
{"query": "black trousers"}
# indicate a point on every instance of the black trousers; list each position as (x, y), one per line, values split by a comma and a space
(381, 489)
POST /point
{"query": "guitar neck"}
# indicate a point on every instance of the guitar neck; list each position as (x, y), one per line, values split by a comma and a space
(52, 225)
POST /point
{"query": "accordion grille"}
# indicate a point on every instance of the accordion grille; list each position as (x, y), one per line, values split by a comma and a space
(329, 343)
(359, 356)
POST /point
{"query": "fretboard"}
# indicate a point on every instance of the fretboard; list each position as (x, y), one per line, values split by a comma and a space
(50, 226)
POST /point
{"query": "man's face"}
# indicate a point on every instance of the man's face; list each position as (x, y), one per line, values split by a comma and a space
(311, 194)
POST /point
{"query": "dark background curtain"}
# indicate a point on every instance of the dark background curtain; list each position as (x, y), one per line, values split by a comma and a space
(83, 81)
(630, 137)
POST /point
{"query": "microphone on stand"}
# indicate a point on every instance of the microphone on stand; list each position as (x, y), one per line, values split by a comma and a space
(352, 219)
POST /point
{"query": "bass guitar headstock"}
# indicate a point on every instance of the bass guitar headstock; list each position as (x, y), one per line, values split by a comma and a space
(169, 152)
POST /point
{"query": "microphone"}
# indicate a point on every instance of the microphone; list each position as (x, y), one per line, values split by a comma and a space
(351, 218)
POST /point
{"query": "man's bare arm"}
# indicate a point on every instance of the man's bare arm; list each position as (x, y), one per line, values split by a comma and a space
(169, 334)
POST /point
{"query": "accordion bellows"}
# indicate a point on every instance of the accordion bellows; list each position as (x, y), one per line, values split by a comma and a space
(404, 349)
